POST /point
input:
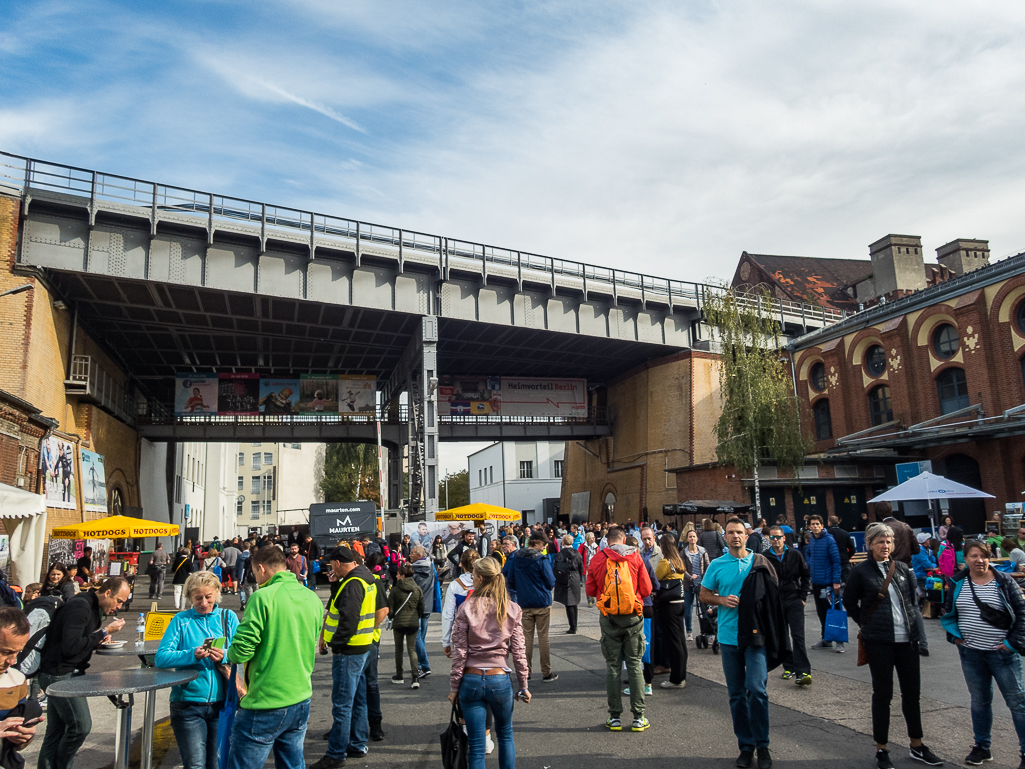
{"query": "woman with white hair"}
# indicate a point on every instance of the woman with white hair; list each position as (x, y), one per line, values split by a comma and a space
(195, 706)
(880, 597)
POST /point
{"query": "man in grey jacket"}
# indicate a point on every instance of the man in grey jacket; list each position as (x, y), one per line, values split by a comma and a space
(158, 563)
(424, 576)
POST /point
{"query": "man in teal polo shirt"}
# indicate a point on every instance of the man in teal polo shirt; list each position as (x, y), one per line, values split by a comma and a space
(746, 670)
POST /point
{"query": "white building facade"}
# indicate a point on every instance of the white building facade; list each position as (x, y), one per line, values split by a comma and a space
(522, 475)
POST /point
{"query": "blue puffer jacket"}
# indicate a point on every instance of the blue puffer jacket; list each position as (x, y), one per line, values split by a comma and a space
(187, 631)
(530, 574)
(823, 559)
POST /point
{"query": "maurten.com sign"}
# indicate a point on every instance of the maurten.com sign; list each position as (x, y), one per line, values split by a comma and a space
(343, 519)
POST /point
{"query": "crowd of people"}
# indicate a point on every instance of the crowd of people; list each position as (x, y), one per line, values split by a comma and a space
(495, 589)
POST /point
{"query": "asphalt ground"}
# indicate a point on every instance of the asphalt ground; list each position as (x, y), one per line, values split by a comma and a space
(825, 725)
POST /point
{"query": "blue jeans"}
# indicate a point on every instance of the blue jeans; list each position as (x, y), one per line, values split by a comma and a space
(255, 732)
(374, 714)
(476, 694)
(690, 595)
(195, 730)
(980, 668)
(350, 730)
(421, 644)
(746, 673)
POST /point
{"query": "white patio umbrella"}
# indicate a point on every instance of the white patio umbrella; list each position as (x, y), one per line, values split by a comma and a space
(927, 486)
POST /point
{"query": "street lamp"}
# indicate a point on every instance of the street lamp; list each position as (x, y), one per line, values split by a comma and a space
(18, 289)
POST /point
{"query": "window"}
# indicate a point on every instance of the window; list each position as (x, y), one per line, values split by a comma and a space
(1019, 316)
(266, 507)
(944, 341)
(238, 506)
(491, 468)
(241, 482)
(818, 376)
(257, 444)
(241, 459)
(255, 487)
(879, 405)
(875, 360)
(953, 390)
(254, 510)
(480, 477)
(268, 482)
(526, 469)
(268, 459)
(823, 422)
(256, 460)
(558, 468)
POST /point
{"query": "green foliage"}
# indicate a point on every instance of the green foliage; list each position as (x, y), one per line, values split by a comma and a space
(458, 488)
(760, 413)
(350, 473)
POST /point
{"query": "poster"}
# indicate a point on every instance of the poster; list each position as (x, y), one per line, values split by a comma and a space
(424, 532)
(57, 461)
(544, 397)
(318, 394)
(5, 555)
(357, 394)
(195, 394)
(101, 559)
(279, 396)
(60, 551)
(94, 482)
(462, 396)
(238, 394)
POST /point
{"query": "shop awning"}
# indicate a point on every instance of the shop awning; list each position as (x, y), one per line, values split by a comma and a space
(18, 503)
(116, 527)
(479, 511)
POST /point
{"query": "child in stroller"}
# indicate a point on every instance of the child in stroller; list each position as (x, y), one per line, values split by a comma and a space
(709, 625)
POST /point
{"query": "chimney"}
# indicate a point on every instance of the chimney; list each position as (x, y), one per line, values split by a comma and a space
(963, 255)
(897, 264)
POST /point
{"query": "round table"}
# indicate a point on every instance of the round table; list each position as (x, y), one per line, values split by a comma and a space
(121, 686)
(145, 651)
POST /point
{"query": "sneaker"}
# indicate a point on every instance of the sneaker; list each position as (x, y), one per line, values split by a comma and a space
(839, 648)
(745, 758)
(978, 755)
(550, 677)
(626, 690)
(640, 724)
(803, 680)
(416, 684)
(423, 672)
(356, 753)
(926, 756)
(764, 758)
(489, 744)
(823, 645)
(690, 636)
(42, 702)
(671, 685)
(788, 674)
(614, 725)
(883, 759)
(396, 680)
(647, 689)
(329, 763)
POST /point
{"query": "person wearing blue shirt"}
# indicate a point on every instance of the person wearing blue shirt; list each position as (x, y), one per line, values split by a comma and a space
(823, 557)
(746, 670)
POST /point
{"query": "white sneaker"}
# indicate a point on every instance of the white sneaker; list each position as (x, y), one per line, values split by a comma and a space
(416, 684)
(489, 744)
(690, 636)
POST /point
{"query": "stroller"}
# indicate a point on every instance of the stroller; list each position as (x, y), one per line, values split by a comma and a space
(709, 626)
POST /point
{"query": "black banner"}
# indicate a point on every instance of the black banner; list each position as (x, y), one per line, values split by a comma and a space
(343, 519)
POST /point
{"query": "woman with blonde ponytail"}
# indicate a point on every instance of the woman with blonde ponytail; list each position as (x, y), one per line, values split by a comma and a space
(485, 630)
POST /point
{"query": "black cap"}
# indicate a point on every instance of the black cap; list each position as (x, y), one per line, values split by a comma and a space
(344, 555)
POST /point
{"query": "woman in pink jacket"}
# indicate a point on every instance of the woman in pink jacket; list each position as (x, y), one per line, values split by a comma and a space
(486, 629)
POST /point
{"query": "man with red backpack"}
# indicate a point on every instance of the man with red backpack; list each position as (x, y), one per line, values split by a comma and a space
(618, 580)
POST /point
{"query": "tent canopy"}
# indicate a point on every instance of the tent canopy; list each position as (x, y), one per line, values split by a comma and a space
(479, 511)
(929, 486)
(18, 503)
(116, 527)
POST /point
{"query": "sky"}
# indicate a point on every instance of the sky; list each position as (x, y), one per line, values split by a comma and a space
(661, 137)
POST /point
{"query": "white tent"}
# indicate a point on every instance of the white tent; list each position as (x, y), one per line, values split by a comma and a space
(928, 486)
(27, 534)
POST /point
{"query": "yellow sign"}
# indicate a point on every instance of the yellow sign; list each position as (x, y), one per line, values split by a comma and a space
(116, 527)
(479, 511)
(156, 624)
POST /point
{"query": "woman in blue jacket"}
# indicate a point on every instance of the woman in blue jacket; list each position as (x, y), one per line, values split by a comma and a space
(195, 707)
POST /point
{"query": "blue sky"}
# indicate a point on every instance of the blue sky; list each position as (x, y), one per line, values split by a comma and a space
(663, 137)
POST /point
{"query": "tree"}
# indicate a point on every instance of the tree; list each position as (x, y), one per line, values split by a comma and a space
(760, 416)
(350, 473)
(456, 485)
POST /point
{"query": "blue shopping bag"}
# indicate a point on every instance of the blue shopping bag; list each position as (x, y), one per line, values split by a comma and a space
(647, 640)
(836, 623)
(226, 719)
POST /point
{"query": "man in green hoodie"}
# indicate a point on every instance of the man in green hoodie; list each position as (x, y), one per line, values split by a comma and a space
(277, 641)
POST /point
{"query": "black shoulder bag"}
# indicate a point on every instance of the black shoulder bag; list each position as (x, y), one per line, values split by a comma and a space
(998, 618)
(454, 745)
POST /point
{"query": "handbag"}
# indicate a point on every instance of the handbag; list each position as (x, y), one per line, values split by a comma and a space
(226, 719)
(314, 567)
(862, 654)
(454, 745)
(836, 623)
(672, 590)
(998, 618)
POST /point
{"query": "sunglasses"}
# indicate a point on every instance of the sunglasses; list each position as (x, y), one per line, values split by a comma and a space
(776, 536)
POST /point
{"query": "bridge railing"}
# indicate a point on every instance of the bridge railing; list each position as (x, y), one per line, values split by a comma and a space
(211, 210)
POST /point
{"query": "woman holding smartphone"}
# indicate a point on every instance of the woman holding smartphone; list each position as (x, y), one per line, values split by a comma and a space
(198, 639)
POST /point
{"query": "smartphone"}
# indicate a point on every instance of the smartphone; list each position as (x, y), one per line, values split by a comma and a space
(33, 722)
(207, 643)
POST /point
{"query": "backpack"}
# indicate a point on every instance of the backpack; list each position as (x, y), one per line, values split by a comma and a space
(948, 560)
(7, 595)
(39, 618)
(562, 570)
(618, 595)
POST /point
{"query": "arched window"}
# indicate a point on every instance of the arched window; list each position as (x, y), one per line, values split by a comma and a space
(818, 376)
(875, 360)
(953, 389)
(945, 341)
(823, 422)
(879, 405)
(1019, 316)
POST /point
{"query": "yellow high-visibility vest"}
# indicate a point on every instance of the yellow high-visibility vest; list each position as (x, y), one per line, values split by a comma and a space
(364, 634)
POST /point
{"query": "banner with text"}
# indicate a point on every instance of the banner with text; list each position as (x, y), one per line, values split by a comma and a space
(512, 396)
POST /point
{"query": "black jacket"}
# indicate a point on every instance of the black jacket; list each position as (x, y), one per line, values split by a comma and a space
(863, 588)
(73, 635)
(762, 621)
(844, 544)
(792, 574)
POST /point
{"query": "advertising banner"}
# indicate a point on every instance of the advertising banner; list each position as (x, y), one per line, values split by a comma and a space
(343, 519)
(469, 395)
(357, 394)
(238, 394)
(318, 394)
(195, 394)
(279, 396)
(101, 559)
(94, 482)
(57, 461)
(424, 532)
(540, 397)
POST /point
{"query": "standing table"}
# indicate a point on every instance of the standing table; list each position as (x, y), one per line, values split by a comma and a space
(145, 652)
(121, 686)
